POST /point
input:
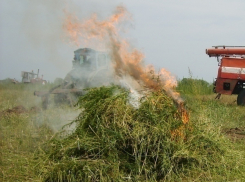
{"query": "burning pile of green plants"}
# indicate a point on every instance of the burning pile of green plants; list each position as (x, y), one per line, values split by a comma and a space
(113, 141)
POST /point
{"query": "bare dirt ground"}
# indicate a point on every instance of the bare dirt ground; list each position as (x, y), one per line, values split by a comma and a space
(19, 110)
(235, 133)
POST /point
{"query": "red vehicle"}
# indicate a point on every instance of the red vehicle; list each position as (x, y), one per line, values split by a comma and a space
(231, 72)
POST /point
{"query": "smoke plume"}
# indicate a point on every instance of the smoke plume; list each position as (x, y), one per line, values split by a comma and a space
(106, 34)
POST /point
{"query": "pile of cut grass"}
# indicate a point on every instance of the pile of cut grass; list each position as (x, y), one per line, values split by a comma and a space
(113, 141)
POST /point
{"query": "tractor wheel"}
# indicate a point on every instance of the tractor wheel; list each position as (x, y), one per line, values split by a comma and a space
(241, 98)
(45, 102)
(67, 98)
(60, 99)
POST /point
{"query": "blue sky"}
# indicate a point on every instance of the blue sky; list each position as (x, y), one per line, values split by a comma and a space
(172, 34)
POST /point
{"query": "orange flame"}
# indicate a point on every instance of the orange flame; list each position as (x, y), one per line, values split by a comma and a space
(93, 28)
(126, 61)
(180, 132)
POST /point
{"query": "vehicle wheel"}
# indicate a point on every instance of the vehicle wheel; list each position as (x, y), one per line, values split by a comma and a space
(45, 102)
(60, 99)
(241, 98)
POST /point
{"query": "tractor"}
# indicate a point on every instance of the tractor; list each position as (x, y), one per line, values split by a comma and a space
(31, 77)
(90, 69)
(231, 71)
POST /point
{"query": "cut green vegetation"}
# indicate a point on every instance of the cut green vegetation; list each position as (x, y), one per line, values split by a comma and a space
(113, 141)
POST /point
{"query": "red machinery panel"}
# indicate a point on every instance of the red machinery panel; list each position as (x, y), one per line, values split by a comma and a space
(232, 68)
(219, 86)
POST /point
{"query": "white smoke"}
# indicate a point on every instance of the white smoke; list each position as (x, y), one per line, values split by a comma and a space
(134, 89)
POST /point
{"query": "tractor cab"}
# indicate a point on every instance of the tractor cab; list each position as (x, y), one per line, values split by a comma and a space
(90, 69)
(27, 76)
(90, 59)
(88, 65)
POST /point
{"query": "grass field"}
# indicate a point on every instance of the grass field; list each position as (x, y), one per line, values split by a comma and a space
(30, 142)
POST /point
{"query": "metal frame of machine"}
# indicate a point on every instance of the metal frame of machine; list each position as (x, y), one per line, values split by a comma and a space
(231, 71)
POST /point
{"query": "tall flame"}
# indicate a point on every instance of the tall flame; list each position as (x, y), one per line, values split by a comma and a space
(126, 60)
